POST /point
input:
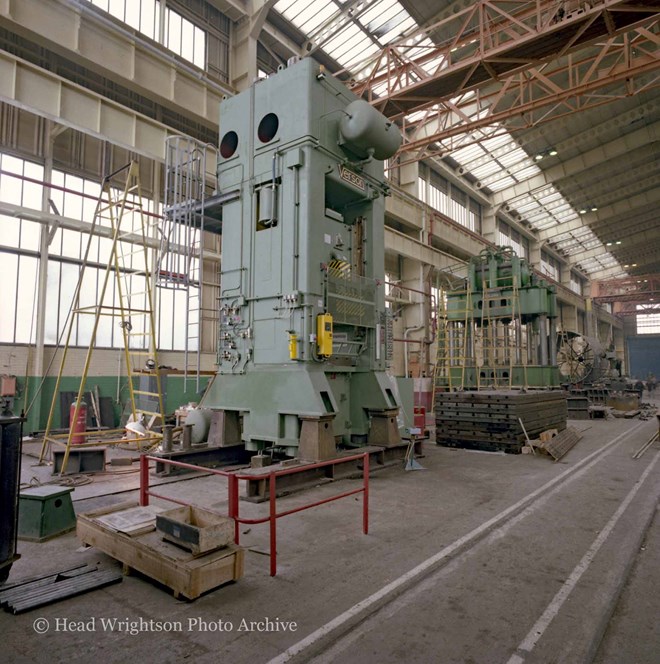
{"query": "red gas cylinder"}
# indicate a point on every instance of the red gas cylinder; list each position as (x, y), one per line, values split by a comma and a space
(80, 424)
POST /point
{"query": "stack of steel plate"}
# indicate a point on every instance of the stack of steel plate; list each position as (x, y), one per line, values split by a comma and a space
(490, 420)
(578, 407)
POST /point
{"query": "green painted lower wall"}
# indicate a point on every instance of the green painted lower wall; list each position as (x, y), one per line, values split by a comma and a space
(178, 393)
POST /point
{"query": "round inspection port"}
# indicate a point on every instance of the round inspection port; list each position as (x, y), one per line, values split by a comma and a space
(228, 144)
(268, 127)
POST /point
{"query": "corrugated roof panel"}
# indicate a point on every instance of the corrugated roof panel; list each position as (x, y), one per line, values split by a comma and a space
(342, 43)
(295, 10)
(317, 18)
(358, 58)
(384, 17)
(549, 223)
(486, 169)
(283, 6)
(502, 184)
(528, 172)
(467, 153)
(521, 209)
(496, 142)
(511, 158)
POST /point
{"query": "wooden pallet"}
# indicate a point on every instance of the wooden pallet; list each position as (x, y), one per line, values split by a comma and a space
(187, 575)
(558, 444)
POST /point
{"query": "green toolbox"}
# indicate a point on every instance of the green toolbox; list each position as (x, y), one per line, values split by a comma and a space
(45, 512)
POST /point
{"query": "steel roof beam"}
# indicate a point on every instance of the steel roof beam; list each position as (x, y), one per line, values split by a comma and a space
(490, 42)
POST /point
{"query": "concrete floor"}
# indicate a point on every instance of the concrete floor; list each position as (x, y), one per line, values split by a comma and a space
(480, 558)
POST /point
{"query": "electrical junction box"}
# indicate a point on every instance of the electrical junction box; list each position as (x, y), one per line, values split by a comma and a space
(324, 334)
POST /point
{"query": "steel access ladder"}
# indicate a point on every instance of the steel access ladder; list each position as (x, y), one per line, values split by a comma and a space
(129, 304)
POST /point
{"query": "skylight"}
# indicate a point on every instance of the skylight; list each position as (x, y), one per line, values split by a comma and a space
(353, 32)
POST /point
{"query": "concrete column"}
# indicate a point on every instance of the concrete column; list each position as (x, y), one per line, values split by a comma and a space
(620, 348)
(569, 317)
(591, 322)
(489, 224)
(535, 254)
(38, 365)
(408, 175)
(415, 316)
(243, 64)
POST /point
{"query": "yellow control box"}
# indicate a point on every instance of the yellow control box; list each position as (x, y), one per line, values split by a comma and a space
(324, 334)
(293, 346)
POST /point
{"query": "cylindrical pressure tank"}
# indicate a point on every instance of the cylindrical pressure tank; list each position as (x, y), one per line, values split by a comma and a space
(200, 419)
(364, 129)
(80, 425)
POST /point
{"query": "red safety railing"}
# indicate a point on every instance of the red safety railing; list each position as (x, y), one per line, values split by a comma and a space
(233, 500)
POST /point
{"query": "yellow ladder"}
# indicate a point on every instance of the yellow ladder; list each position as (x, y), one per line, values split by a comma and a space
(451, 347)
(129, 264)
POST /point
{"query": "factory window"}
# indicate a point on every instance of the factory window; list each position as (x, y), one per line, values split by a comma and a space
(458, 207)
(19, 244)
(647, 323)
(421, 189)
(438, 193)
(434, 196)
(474, 217)
(550, 266)
(576, 284)
(179, 34)
(510, 237)
(19, 264)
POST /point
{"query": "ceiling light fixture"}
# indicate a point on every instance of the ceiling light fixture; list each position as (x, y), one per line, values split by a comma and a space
(609, 244)
(594, 208)
(618, 241)
(582, 211)
(549, 152)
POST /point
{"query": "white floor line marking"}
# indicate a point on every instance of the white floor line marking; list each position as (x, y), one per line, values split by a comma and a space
(540, 626)
(361, 606)
(344, 641)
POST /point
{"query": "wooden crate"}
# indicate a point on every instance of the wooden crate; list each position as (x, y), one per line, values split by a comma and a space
(180, 570)
(198, 530)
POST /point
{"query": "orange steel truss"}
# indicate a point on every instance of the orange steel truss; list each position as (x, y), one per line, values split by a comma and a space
(511, 65)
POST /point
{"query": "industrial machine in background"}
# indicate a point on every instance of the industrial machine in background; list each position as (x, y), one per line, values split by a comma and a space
(584, 359)
(304, 335)
(591, 373)
(499, 330)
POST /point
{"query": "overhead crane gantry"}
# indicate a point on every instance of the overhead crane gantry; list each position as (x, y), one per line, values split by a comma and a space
(495, 67)
(642, 289)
